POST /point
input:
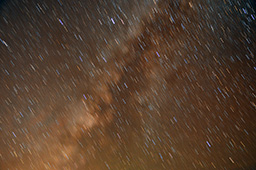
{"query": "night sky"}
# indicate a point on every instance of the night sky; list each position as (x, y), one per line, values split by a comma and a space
(127, 84)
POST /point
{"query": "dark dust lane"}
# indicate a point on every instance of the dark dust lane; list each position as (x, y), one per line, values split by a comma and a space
(128, 85)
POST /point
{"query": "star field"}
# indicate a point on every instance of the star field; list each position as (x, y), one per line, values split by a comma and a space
(123, 84)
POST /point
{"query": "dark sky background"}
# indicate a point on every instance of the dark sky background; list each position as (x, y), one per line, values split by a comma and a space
(126, 84)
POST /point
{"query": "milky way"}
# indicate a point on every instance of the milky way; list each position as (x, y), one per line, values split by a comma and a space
(107, 84)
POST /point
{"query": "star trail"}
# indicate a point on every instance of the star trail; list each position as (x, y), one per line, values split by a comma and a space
(127, 84)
